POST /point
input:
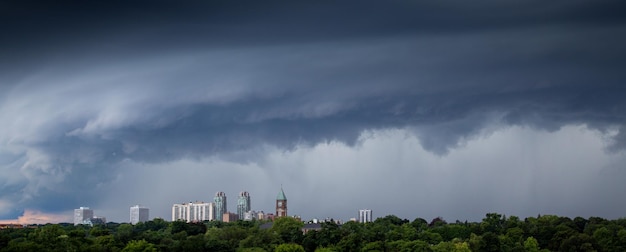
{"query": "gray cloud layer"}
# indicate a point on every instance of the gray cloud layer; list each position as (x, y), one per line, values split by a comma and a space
(87, 87)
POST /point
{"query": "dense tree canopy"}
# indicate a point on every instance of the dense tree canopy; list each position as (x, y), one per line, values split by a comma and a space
(495, 232)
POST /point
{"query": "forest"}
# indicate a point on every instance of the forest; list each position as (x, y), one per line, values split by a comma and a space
(496, 232)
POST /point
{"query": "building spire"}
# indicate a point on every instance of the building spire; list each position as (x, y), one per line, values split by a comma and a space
(281, 194)
(281, 203)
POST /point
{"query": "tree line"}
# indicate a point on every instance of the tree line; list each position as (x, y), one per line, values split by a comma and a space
(495, 232)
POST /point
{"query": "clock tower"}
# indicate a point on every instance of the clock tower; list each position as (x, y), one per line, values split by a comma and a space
(281, 204)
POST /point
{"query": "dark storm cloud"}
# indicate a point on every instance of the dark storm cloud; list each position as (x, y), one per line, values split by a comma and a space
(87, 85)
(54, 29)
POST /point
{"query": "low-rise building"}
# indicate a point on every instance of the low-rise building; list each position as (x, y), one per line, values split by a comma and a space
(230, 217)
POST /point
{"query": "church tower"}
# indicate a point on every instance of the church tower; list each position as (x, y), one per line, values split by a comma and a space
(281, 204)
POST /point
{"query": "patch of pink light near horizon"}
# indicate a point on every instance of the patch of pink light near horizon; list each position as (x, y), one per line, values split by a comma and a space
(37, 217)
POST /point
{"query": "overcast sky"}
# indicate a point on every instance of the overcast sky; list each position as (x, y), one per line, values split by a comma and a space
(417, 109)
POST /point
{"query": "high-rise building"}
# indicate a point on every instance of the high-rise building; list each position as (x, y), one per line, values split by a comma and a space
(82, 214)
(139, 214)
(220, 205)
(243, 204)
(193, 211)
(180, 212)
(365, 215)
(281, 204)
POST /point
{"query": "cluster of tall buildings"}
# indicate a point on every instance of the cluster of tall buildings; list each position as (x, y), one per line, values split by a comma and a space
(207, 211)
(197, 211)
(218, 209)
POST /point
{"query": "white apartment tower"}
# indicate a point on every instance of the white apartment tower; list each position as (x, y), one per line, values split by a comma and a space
(365, 215)
(139, 214)
(82, 214)
(193, 211)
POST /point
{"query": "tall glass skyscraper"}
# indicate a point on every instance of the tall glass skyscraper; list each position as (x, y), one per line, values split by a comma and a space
(220, 205)
(243, 204)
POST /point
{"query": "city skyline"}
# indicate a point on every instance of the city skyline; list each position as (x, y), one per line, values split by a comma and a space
(416, 109)
(207, 211)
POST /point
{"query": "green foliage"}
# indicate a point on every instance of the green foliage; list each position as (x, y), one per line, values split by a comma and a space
(325, 250)
(392, 219)
(125, 232)
(289, 247)
(451, 231)
(531, 245)
(451, 246)
(254, 249)
(189, 228)
(214, 240)
(419, 224)
(461, 247)
(408, 246)
(288, 229)
(489, 242)
(493, 223)
(430, 237)
(106, 243)
(443, 247)
(156, 224)
(350, 242)
(99, 231)
(604, 238)
(260, 239)
(495, 232)
(437, 222)
(139, 246)
(329, 235)
(373, 246)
